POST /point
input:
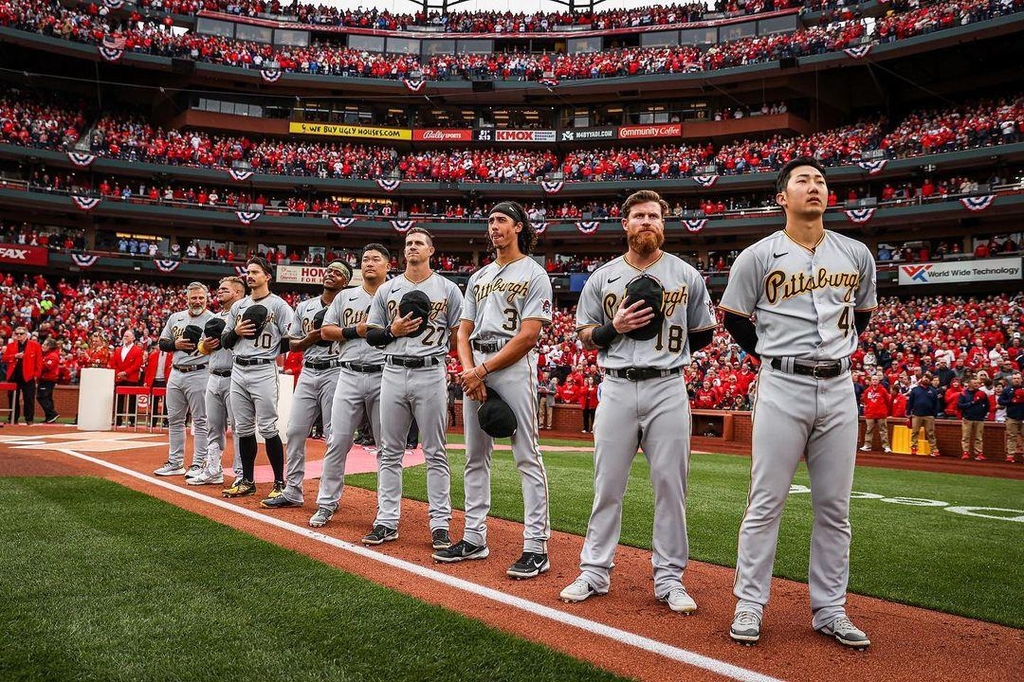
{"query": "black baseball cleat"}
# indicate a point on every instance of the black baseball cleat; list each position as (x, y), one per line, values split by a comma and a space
(461, 551)
(379, 535)
(279, 502)
(440, 539)
(529, 565)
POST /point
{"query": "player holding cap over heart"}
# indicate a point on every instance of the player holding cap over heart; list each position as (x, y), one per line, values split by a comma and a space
(644, 312)
(507, 304)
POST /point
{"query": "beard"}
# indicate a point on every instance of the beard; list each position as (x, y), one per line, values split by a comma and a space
(645, 243)
(196, 311)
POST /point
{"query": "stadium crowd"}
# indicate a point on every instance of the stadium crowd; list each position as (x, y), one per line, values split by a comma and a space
(86, 24)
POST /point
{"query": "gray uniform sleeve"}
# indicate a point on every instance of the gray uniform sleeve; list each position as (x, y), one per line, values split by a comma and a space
(866, 296)
(455, 303)
(285, 319)
(538, 299)
(231, 317)
(379, 309)
(700, 310)
(589, 312)
(469, 301)
(333, 314)
(166, 333)
(743, 290)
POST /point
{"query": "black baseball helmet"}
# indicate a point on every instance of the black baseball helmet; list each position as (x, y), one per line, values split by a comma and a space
(652, 293)
(318, 322)
(496, 417)
(417, 303)
(192, 333)
(214, 328)
(258, 314)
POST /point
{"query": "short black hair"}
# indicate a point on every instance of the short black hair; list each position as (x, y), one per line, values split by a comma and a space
(783, 178)
(262, 263)
(379, 248)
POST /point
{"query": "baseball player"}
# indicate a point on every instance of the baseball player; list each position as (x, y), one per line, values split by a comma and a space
(507, 304)
(186, 387)
(358, 393)
(413, 385)
(256, 343)
(811, 292)
(218, 391)
(314, 391)
(643, 346)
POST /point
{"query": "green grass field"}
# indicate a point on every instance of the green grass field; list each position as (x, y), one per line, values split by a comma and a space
(918, 555)
(103, 583)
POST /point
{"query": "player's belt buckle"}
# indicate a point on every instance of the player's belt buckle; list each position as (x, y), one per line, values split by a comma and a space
(828, 371)
(632, 374)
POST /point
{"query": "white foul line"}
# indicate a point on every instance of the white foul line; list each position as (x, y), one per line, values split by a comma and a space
(632, 639)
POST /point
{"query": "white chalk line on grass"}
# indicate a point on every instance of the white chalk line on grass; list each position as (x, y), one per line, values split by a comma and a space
(629, 638)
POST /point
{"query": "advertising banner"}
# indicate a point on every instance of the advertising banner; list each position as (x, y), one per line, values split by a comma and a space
(648, 131)
(583, 134)
(19, 254)
(309, 274)
(505, 135)
(961, 271)
(335, 130)
(442, 135)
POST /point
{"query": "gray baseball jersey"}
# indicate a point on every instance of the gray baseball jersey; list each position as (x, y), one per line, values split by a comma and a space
(446, 306)
(657, 408)
(498, 300)
(267, 343)
(173, 330)
(222, 358)
(420, 393)
(687, 307)
(304, 314)
(803, 300)
(349, 308)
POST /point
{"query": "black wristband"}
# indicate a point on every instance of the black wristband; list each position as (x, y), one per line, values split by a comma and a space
(604, 335)
(166, 345)
(349, 333)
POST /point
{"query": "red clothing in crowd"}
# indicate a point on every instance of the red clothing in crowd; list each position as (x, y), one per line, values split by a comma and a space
(31, 361)
(567, 393)
(877, 403)
(130, 364)
(588, 397)
(151, 366)
(899, 405)
(51, 366)
(950, 399)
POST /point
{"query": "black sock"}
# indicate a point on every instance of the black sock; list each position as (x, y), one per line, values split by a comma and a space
(275, 453)
(247, 449)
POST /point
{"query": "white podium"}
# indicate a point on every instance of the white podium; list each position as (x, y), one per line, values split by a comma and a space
(96, 399)
(285, 389)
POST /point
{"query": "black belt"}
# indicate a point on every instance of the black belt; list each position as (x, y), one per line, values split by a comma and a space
(412, 363)
(252, 362)
(641, 373)
(185, 369)
(365, 369)
(320, 364)
(489, 346)
(818, 370)
(220, 372)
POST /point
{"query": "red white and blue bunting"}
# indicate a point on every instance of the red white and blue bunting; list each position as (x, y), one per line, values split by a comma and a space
(166, 265)
(86, 203)
(388, 185)
(342, 223)
(248, 217)
(240, 270)
(110, 54)
(81, 159)
(270, 75)
(705, 181)
(978, 203)
(402, 225)
(858, 52)
(588, 226)
(860, 215)
(84, 260)
(548, 82)
(873, 167)
(552, 187)
(414, 84)
(540, 228)
(239, 175)
(113, 4)
(695, 225)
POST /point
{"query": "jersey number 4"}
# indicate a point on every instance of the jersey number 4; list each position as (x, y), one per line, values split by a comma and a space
(844, 320)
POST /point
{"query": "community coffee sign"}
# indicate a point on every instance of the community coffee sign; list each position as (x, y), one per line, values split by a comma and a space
(17, 254)
(649, 131)
(310, 274)
(961, 271)
(442, 135)
(332, 130)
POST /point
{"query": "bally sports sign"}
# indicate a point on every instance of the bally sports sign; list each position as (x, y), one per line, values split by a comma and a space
(961, 271)
(19, 254)
(310, 274)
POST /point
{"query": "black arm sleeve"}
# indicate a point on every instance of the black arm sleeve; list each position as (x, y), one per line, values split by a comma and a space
(861, 319)
(604, 335)
(378, 338)
(229, 339)
(285, 345)
(167, 345)
(349, 333)
(700, 339)
(744, 331)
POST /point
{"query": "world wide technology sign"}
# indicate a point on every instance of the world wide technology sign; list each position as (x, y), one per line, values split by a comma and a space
(961, 271)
